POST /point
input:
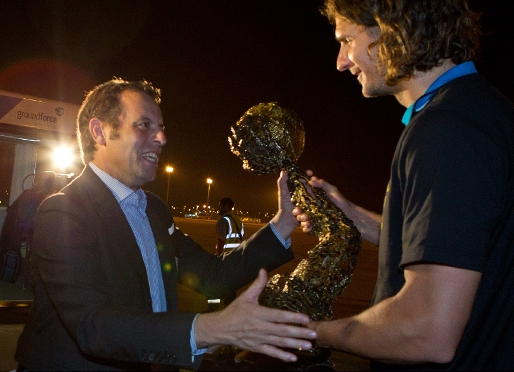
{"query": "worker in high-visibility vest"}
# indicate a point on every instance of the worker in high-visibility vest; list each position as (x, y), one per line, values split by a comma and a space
(230, 232)
(230, 229)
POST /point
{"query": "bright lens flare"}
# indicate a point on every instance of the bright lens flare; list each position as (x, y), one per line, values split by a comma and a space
(62, 157)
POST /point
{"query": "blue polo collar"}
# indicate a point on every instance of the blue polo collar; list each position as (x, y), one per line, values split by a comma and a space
(465, 68)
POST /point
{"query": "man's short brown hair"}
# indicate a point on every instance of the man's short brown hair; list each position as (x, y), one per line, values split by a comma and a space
(104, 102)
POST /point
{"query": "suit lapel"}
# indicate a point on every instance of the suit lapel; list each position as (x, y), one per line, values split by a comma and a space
(116, 229)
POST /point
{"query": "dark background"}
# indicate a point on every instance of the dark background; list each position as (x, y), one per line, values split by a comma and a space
(214, 60)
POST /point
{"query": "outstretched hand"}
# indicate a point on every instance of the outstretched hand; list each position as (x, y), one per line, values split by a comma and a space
(250, 326)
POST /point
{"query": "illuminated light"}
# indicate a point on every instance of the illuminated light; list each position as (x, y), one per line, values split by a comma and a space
(191, 280)
(62, 157)
(160, 247)
(169, 170)
(209, 181)
(166, 266)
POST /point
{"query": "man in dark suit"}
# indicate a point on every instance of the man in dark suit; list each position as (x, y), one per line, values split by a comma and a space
(107, 259)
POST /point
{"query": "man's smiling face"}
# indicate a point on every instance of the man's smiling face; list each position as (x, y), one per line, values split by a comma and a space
(131, 152)
(354, 56)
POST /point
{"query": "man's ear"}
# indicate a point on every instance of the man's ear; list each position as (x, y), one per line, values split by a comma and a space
(96, 128)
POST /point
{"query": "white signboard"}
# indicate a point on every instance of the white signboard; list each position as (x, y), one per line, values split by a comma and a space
(38, 113)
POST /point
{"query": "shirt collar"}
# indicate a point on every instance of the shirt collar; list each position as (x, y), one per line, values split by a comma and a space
(119, 189)
(465, 68)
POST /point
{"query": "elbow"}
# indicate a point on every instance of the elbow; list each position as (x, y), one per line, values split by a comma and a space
(442, 354)
(444, 346)
(436, 344)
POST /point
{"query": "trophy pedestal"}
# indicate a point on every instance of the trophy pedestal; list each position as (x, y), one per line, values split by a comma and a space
(227, 358)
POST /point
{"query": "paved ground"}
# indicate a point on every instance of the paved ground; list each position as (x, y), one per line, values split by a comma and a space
(355, 298)
(11, 325)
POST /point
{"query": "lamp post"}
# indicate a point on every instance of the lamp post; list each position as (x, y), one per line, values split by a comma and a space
(169, 170)
(209, 181)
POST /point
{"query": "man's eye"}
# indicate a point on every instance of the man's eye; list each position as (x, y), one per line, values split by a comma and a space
(145, 124)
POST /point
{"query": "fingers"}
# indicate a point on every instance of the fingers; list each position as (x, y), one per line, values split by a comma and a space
(271, 330)
(269, 314)
(281, 354)
(313, 325)
(278, 353)
(250, 326)
(255, 289)
(311, 175)
(303, 218)
(317, 182)
(333, 193)
(305, 224)
(300, 216)
(286, 317)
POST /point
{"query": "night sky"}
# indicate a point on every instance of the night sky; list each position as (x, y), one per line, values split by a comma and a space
(214, 60)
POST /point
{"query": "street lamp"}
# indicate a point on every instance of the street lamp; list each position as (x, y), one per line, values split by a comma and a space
(209, 181)
(169, 170)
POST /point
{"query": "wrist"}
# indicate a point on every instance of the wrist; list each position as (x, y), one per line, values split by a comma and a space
(284, 224)
(204, 333)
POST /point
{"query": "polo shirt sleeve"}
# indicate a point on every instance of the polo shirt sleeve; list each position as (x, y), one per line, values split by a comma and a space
(449, 173)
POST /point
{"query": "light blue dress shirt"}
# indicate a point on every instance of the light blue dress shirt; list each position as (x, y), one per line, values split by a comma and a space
(133, 204)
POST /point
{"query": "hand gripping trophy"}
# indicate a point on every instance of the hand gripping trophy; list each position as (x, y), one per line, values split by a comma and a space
(268, 138)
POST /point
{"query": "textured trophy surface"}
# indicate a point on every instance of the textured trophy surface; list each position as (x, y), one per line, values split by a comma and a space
(269, 138)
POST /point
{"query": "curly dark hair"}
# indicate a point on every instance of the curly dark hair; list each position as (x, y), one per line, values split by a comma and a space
(414, 34)
(104, 102)
(420, 34)
(355, 11)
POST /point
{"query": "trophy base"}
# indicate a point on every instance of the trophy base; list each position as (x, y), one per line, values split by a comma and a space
(229, 358)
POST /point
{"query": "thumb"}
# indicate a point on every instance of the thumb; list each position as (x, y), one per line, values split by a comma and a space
(283, 177)
(253, 292)
(282, 185)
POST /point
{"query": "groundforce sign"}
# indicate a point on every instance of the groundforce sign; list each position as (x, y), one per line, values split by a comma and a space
(38, 113)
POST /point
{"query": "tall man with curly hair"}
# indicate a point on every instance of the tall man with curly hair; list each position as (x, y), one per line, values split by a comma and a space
(444, 294)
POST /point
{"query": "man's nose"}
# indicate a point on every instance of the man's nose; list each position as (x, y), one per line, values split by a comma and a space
(161, 137)
(343, 62)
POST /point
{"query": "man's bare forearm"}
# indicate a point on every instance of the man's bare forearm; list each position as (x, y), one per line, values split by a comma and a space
(367, 222)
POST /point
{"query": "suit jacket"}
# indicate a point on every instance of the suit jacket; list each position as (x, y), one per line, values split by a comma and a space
(92, 308)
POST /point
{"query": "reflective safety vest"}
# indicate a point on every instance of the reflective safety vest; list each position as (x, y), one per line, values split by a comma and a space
(233, 239)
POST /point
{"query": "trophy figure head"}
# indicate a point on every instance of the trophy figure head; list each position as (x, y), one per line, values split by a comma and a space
(268, 138)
